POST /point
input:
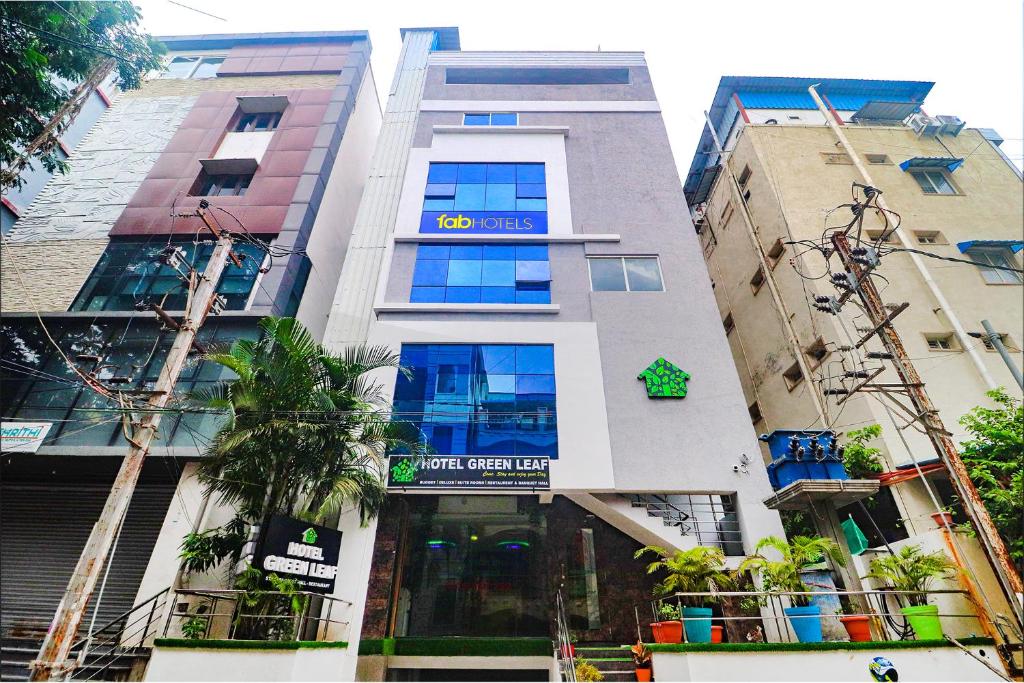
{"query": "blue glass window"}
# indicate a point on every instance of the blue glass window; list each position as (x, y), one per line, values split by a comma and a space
(480, 399)
(496, 119)
(485, 187)
(488, 273)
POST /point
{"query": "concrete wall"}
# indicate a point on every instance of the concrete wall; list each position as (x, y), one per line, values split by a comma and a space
(200, 664)
(925, 664)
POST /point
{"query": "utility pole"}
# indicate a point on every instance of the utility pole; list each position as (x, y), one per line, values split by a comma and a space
(54, 661)
(945, 448)
(996, 340)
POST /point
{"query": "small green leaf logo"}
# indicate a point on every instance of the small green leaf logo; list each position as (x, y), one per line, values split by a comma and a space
(403, 472)
(309, 535)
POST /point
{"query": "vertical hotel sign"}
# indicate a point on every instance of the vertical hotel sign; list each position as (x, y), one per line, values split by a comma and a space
(23, 437)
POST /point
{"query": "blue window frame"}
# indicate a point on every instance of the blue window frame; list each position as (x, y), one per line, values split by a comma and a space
(494, 119)
(485, 187)
(482, 273)
(480, 399)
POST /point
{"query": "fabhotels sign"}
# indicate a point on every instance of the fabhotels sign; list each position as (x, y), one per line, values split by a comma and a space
(298, 550)
(485, 222)
(22, 437)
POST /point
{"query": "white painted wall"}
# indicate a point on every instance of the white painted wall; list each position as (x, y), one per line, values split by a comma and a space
(486, 147)
(353, 578)
(195, 664)
(252, 145)
(932, 664)
(584, 450)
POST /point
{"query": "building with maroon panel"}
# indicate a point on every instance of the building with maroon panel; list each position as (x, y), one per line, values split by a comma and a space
(275, 132)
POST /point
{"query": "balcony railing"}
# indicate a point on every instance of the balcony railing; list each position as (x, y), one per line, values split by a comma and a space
(773, 625)
(268, 615)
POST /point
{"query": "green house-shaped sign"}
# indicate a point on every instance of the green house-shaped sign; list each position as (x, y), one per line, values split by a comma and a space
(664, 380)
(309, 535)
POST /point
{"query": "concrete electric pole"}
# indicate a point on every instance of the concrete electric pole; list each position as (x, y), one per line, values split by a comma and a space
(54, 661)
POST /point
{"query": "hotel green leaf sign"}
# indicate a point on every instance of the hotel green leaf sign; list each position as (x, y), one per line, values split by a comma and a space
(664, 380)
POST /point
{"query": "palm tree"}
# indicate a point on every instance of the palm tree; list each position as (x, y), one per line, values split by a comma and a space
(911, 570)
(306, 433)
(796, 555)
(698, 570)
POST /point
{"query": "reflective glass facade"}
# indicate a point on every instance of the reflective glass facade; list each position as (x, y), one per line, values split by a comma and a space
(130, 271)
(488, 273)
(480, 399)
(485, 187)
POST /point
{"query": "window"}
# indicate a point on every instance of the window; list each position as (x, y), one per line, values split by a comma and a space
(939, 342)
(192, 67)
(1004, 338)
(877, 158)
(929, 237)
(130, 271)
(755, 412)
(496, 119)
(817, 352)
(876, 236)
(625, 274)
(233, 185)
(482, 273)
(993, 262)
(775, 253)
(725, 216)
(250, 123)
(757, 281)
(485, 187)
(836, 158)
(480, 399)
(744, 176)
(933, 182)
(793, 376)
(728, 324)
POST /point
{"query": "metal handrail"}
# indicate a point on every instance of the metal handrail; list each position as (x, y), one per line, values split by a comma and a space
(774, 600)
(565, 652)
(119, 617)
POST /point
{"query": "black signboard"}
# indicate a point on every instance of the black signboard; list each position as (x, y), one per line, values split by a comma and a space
(468, 472)
(301, 551)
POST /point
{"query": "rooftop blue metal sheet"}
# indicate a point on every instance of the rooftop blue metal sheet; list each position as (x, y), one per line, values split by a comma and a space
(1012, 245)
(791, 93)
(220, 41)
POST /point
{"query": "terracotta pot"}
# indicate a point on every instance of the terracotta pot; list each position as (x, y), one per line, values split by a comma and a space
(667, 631)
(858, 627)
(643, 674)
(716, 634)
(943, 519)
(568, 651)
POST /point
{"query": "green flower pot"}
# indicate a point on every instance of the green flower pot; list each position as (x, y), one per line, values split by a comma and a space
(924, 619)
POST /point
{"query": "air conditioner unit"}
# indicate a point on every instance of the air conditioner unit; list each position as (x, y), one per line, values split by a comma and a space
(925, 126)
(951, 125)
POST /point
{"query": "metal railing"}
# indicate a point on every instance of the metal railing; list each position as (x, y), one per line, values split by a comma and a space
(880, 606)
(120, 640)
(267, 615)
(564, 649)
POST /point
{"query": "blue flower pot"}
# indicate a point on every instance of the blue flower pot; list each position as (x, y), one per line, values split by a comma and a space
(806, 623)
(697, 621)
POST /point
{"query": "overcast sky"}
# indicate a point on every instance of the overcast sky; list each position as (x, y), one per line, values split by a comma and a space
(971, 50)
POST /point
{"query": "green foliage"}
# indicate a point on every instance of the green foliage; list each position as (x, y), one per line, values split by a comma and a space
(260, 611)
(668, 611)
(697, 570)
(783, 575)
(994, 458)
(861, 460)
(797, 523)
(47, 49)
(306, 434)
(194, 628)
(911, 570)
(585, 671)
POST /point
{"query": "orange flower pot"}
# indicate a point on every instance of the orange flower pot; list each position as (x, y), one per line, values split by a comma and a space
(716, 634)
(667, 631)
(858, 627)
(643, 674)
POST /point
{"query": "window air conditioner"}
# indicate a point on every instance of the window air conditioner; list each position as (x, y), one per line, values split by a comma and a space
(924, 125)
(951, 125)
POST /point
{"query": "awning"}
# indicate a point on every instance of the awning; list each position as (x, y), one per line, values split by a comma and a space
(707, 179)
(948, 163)
(875, 110)
(1012, 245)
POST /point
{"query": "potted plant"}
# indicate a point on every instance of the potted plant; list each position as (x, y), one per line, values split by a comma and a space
(944, 519)
(585, 671)
(783, 576)
(642, 661)
(858, 626)
(911, 570)
(669, 627)
(697, 570)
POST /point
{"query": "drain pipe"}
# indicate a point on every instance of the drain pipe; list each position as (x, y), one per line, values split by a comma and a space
(916, 259)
